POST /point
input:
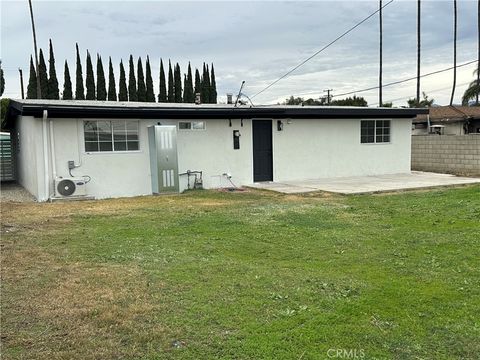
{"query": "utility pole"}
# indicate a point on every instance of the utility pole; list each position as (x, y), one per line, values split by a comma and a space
(21, 82)
(328, 95)
(39, 89)
(418, 50)
(478, 47)
(454, 50)
(381, 57)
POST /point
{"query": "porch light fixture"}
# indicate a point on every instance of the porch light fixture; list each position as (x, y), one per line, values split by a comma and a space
(279, 125)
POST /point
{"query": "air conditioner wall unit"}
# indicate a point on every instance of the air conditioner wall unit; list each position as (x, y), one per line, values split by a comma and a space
(66, 187)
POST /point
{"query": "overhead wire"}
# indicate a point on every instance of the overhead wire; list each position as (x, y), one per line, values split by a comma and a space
(322, 49)
(405, 80)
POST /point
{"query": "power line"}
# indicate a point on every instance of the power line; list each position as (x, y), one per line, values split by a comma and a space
(322, 49)
(409, 97)
(405, 80)
(389, 84)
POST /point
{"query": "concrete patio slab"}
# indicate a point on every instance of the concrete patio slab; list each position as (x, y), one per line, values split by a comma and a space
(367, 184)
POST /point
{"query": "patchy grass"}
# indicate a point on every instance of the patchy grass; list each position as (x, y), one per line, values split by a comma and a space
(250, 275)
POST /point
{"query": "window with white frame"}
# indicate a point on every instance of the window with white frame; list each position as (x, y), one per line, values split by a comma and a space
(374, 131)
(111, 135)
(191, 125)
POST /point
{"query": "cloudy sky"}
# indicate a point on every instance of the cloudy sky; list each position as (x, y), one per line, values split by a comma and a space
(254, 41)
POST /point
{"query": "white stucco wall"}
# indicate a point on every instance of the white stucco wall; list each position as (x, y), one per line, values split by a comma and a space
(30, 165)
(308, 149)
(304, 149)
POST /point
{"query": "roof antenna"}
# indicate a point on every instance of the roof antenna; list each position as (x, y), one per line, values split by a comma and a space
(239, 93)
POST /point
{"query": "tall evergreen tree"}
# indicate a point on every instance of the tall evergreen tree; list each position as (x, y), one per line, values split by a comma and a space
(101, 83)
(213, 87)
(171, 91)
(53, 92)
(198, 84)
(90, 80)
(188, 96)
(122, 85)
(184, 87)
(79, 89)
(177, 84)
(205, 93)
(67, 84)
(150, 96)
(162, 91)
(141, 89)
(42, 70)
(112, 91)
(32, 81)
(2, 80)
(132, 82)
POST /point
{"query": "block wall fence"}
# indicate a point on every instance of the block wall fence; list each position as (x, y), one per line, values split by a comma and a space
(452, 154)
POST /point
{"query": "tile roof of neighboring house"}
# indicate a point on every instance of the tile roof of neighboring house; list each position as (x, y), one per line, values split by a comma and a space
(450, 114)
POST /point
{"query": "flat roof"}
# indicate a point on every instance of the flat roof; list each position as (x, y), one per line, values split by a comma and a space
(144, 110)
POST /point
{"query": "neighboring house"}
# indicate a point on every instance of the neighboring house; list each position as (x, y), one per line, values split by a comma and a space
(7, 164)
(128, 149)
(448, 120)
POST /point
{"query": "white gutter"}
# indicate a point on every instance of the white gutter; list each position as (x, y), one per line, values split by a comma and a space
(45, 154)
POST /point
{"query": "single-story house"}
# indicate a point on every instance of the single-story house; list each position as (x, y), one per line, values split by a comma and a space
(448, 120)
(113, 149)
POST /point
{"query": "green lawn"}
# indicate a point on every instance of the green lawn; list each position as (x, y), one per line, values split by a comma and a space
(252, 275)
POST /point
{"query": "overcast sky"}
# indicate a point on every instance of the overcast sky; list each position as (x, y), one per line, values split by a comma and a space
(253, 41)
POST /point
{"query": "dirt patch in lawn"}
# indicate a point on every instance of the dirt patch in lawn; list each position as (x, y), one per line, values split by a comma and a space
(54, 308)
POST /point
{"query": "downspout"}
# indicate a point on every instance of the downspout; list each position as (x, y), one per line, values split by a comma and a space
(45, 154)
(428, 123)
(52, 153)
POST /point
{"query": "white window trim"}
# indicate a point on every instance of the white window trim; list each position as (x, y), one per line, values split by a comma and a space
(375, 133)
(112, 152)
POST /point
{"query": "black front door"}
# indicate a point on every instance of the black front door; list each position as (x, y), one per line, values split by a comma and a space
(262, 150)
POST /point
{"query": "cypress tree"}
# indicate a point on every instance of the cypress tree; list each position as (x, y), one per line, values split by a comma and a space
(141, 89)
(177, 87)
(213, 87)
(42, 70)
(53, 92)
(198, 84)
(101, 83)
(171, 91)
(32, 82)
(79, 90)
(188, 96)
(185, 88)
(162, 91)
(150, 96)
(132, 82)
(112, 92)
(2, 80)
(122, 86)
(90, 80)
(67, 84)
(205, 92)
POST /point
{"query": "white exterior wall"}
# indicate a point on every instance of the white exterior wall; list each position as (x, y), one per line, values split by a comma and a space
(305, 149)
(29, 148)
(116, 174)
(308, 149)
